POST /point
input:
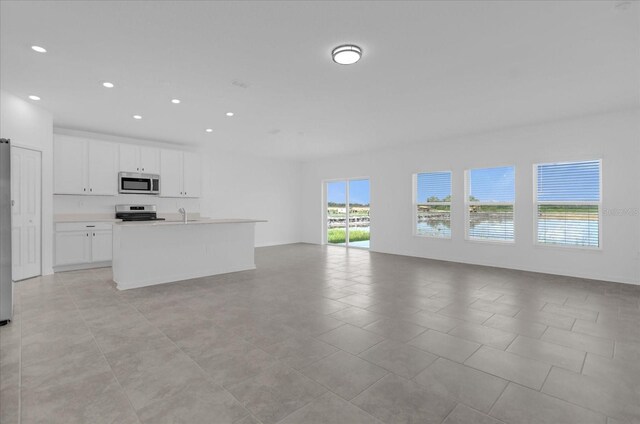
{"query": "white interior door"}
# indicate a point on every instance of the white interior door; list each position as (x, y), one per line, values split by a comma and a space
(26, 195)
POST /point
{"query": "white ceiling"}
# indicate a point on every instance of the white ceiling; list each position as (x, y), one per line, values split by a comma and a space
(430, 69)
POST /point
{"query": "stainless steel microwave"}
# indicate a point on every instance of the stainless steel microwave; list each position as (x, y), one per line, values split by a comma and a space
(134, 183)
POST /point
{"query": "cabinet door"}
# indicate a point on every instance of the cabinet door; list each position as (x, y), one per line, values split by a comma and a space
(69, 165)
(103, 174)
(149, 160)
(101, 246)
(170, 173)
(73, 247)
(129, 158)
(192, 175)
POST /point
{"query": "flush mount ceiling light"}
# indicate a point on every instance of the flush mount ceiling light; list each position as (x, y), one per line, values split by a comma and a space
(209, 130)
(347, 54)
(137, 117)
(175, 101)
(32, 97)
(229, 113)
(108, 84)
(39, 49)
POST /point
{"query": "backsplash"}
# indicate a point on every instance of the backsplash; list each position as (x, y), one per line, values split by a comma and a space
(71, 204)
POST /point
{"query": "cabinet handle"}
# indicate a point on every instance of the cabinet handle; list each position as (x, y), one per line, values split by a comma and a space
(90, 189)
(84, 189)
(87, 234)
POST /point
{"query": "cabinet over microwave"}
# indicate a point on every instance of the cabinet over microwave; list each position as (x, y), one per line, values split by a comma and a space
(134, 183)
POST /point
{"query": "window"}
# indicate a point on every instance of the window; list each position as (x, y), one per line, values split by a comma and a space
(568, 203)
(433, 204)
(490, 203)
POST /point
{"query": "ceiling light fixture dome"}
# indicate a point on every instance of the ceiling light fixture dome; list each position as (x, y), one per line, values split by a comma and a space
(346, 54)
(39, 49)
(108, 84)
(33, 97)
(175, 101)
(229, 114)
(137, 116)
(209, 130)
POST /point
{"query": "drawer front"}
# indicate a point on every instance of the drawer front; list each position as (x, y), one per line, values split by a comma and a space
(83, 226)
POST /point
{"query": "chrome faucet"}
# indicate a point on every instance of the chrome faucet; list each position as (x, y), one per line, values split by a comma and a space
(184, 215)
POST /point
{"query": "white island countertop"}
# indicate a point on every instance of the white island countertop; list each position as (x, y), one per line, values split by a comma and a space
(189, 222)
(146, 253)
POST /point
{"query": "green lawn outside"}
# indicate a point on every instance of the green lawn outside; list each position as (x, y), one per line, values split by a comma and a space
(338, 235)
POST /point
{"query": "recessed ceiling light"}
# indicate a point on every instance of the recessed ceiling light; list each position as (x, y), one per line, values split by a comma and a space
(137, 117)
(175, 101)
(209, 130)
(32, 97)
(347, 54)
(108, 84)
(229, 113)
(39, 49)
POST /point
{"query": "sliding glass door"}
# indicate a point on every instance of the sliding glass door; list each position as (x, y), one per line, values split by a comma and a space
(348, 205)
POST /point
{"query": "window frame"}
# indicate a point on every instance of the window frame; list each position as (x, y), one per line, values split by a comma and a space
(467, 204)
(537, 203)
(416, 204)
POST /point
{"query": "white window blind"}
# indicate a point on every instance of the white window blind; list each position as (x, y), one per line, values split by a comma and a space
(433, 204)
(490, 203)
(568, 203)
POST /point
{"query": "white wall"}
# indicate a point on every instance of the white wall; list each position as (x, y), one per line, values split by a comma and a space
(615, 138)
(234, 186)
(32, 127)
(239, 186)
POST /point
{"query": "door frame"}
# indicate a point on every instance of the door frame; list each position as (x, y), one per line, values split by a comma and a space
(324, 210)
(41, 152)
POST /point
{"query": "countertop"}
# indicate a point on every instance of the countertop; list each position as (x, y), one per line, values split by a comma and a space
(200, 221)
(109, 217)
(85, 217)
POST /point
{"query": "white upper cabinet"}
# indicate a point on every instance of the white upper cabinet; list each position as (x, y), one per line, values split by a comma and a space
(84, 166)
(90, 167)
(129, 158)
(192, 175)
(150, 160)
(180, 174)
(69, 165)
(102, 168)
(139, 159)
(170, 173)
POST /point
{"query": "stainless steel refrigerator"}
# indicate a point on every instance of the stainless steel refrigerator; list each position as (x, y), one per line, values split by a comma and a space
(6, 285)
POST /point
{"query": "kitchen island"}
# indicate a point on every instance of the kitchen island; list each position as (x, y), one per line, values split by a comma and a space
(155, 252)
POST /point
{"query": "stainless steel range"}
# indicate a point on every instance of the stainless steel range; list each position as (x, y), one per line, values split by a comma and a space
(137, 213)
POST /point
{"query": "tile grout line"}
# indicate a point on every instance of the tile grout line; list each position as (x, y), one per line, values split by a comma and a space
(545, 379)
(124, 392)
(504, 389)
(205, 374)
(584, 361)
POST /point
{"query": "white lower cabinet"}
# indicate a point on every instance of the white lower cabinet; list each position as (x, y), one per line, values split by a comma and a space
(81, 244)
(101, 246)
(72, 247)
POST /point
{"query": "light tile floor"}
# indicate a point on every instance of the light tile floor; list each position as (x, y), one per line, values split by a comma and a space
(324, 335)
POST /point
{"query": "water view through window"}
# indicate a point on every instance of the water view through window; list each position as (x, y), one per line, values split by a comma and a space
(433, 204)
(490, 204)
(568, 203)
(348, 205)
